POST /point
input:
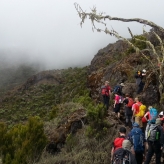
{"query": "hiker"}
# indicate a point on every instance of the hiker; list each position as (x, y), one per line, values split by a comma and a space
(151, 115)
(139, 80)
(128, 101)
(106, 92)
(135, 109)
(117, 143)
(161, 115)
(162, 155)
(118, 89)
(136, 136)
(155, 139)
(124, 154)
(117, 104)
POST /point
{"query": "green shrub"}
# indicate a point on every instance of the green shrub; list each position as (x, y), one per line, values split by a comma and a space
(22, 143)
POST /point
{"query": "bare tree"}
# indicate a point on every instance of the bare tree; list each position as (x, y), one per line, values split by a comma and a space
(156, 51)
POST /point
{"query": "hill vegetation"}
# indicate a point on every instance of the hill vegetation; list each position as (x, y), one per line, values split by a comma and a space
(12, 76)
(57, 116)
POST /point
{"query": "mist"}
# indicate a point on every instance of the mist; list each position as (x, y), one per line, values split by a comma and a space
(49, 33)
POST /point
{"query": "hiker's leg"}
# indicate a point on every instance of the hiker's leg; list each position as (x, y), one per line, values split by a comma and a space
(118, 114)
(142, 86)
(119, 106)
(157, 149)
(139, 88)
(126, 119)
(104, 100)
(139, 157)
(149, 153)
(130, 121)
(107, 102)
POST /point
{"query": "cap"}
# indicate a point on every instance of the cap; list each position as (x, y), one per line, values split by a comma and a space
(122, 84)
(158, 121)
(107, 82)
(161, 113)
(144, 70)
(135, 124)
(122, 130)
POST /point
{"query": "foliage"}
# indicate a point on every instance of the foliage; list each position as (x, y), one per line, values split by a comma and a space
(22, 143)
(41, 100)
(141, 45)
(95, 116)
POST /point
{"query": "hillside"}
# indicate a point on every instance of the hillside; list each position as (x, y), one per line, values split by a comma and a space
(15, 75)
(41, 93)
(61, 110)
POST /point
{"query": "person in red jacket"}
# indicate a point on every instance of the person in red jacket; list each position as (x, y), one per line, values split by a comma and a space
(106, 92)
(117, 143)
(135, 109)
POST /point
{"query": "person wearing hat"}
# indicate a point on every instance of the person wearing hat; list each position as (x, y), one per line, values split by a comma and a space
(140, 80)
(136, 110)
(155, 139)
(106, 92)
(136, 136)
(117, 143)
(118, 88)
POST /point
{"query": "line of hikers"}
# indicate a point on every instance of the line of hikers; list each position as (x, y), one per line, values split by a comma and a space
(137, 147)
(106, 91)
(146, 136)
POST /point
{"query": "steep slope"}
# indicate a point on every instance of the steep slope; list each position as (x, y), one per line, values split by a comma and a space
(41, 93)
(117, 62)
(68, 101)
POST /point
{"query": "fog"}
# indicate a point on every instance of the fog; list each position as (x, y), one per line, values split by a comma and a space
(49, 32)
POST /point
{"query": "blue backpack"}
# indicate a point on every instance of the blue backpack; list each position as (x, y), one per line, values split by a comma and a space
(116, 89)
(137, 138)
(153, 115)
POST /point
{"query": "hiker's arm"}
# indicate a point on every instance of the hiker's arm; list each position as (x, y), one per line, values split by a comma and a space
(146, 132)
(134, 111)
(112, 152)
(115, 101)
(146, 116)
(109, 92)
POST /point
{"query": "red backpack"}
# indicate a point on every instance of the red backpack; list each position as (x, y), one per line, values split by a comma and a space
(130, 102)
(104, 90)
(118, 143)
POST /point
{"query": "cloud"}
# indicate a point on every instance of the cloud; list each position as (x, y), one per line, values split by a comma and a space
(49, 31)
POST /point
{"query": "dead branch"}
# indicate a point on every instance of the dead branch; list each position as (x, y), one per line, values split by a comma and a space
(100, 18)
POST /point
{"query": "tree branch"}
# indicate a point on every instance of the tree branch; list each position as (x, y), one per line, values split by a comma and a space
(100, 18)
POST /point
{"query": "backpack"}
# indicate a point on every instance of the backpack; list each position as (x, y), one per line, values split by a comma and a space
(104, 91)
(118, 143)
(137, 138)
(130, 102)
(153, 133)
(117, 89)
(121, 156)
(142, 109)
(153, 115)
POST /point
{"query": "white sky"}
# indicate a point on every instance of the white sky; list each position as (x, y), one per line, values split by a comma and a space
(49, 30)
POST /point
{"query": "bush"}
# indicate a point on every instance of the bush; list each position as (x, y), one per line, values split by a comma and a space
(22, 143)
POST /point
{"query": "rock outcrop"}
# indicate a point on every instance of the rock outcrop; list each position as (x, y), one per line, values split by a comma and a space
(70, 125)
(115, 64)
